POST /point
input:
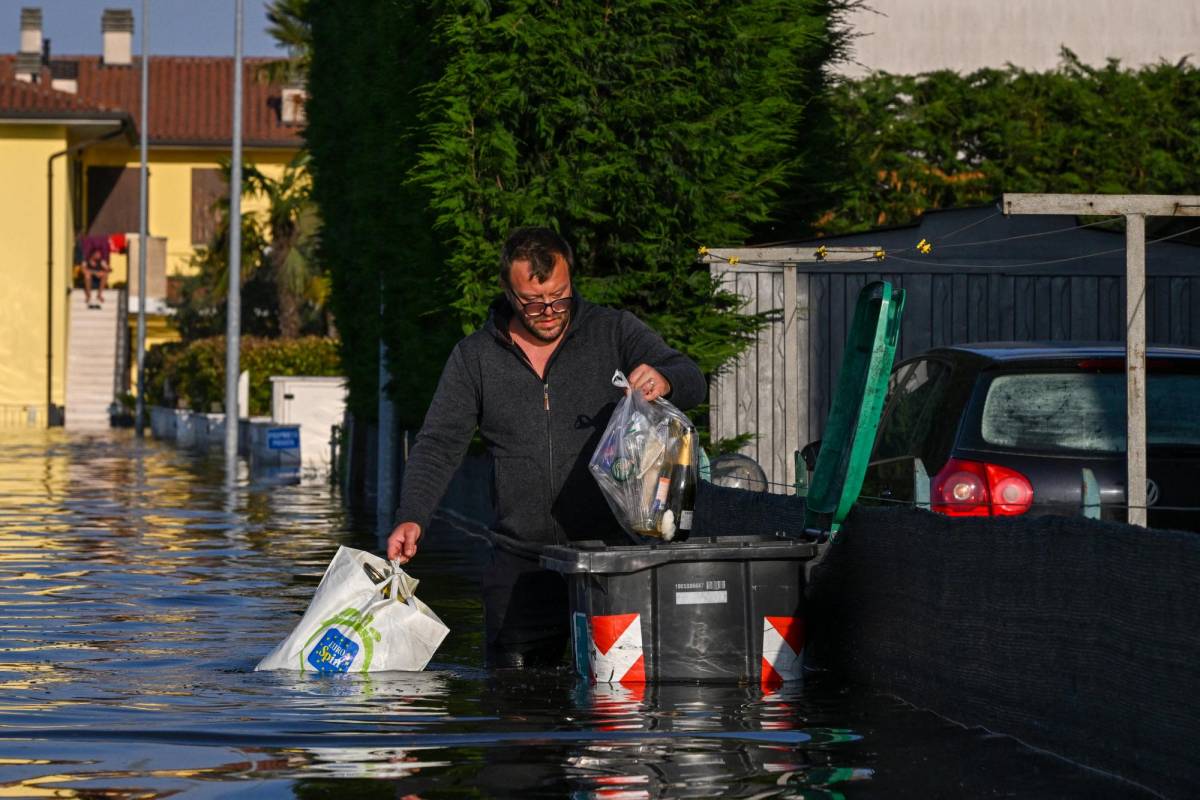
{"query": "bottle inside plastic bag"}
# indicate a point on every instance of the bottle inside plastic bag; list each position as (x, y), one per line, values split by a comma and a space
(646, 466)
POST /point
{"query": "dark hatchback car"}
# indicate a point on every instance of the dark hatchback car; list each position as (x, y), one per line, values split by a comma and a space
(1008, 428)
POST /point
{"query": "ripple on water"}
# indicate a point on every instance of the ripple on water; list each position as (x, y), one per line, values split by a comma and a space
(137, 592)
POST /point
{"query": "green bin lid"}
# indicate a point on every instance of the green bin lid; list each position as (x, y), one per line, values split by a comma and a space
(857, 403)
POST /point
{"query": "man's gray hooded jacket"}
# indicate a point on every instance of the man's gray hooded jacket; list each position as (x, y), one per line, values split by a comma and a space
(541, 432)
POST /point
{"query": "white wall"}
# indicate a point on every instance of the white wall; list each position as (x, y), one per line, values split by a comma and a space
(316, 405)
(911, 36)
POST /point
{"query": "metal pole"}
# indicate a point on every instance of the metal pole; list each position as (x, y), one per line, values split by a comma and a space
(143, 224)
(50, 289)
(1135, 366)
(385, 468)
(233, 308)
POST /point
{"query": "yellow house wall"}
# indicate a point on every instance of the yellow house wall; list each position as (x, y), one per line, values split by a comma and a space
(170, 190)
(169, 214)
(24, 150)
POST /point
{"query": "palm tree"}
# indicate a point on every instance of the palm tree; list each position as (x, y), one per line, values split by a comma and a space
(283, 287)
(290, 28)
(292, 224)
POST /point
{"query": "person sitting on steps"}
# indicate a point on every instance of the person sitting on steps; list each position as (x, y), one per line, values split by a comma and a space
(95, 276)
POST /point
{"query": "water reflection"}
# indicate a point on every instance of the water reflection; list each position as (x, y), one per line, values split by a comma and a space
(701, 741)
(138, 590)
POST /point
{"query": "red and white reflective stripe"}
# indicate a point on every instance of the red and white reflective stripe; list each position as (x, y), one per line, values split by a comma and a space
(783, 649)
(616, 652)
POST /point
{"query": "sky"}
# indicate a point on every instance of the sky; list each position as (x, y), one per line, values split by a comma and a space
(177, 27)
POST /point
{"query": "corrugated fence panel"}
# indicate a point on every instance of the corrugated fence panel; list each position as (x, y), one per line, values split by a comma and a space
(775, 389)
(819, 358)
(1180, 324)
(746, 387)
(807, 428)
(1112, 308)
(723, 414)
(1085, 308)
(978, 308)
(917, 330)
(1060, 308)
(1024, 308)
(940, 308)
(1191, 311)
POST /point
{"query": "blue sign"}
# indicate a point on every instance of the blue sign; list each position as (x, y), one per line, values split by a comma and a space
(283, 438)
(334, 653)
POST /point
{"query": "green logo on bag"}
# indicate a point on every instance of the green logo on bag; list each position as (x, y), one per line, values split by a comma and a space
(356, 621)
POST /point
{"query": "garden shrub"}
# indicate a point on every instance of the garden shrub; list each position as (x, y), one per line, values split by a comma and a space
(192, 375)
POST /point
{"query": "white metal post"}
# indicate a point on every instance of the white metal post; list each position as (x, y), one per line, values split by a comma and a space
(1135, 366)
(143, 225)
(233, 306)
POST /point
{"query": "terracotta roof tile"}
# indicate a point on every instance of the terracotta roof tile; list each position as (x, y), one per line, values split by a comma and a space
(22, 99)
(190, 98)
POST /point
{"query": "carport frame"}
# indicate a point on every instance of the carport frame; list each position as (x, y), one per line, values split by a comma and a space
(1135, 208)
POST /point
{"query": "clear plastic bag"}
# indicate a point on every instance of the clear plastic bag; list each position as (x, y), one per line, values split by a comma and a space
(646, 466)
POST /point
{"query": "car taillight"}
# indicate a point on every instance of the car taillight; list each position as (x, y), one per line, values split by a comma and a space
(1012, 493)
(975, 489)
(960, 489)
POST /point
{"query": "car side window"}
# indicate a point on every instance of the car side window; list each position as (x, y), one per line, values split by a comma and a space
(914, 394)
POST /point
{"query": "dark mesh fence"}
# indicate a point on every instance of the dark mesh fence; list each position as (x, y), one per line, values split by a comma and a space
(1076, 636)
(721, 511)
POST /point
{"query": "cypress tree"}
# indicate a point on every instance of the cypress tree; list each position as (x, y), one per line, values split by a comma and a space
(369, 60)
(640, 129)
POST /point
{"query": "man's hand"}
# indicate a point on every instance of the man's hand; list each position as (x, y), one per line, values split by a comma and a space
(649, 381)
(402, 543)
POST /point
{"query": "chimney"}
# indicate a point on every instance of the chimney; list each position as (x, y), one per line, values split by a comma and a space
(116, 24)
(31, 30)
(291, 107)
(28, 66)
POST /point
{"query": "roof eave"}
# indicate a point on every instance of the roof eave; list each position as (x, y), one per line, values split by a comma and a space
(209, 144)
(66, 117)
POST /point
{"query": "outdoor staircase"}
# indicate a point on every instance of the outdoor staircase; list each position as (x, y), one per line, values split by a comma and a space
(92, 339)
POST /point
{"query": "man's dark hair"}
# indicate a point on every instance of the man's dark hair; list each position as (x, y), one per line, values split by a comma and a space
(538, 246)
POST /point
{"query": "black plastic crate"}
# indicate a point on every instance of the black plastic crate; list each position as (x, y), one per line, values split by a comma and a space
(726, 609)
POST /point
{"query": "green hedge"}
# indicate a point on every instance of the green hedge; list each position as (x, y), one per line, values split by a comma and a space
(370, 60)
(640, 130)
(193, 375)
(944, 140)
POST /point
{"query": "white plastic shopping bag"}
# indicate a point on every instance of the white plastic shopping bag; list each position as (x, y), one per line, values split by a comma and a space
(363, 617)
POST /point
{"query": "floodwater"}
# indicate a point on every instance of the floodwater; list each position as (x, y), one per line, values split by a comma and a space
(137, 592)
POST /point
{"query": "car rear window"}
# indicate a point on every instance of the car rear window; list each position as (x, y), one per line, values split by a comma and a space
(1048, 411)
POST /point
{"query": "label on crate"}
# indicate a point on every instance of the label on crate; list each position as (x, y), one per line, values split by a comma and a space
(700, 593)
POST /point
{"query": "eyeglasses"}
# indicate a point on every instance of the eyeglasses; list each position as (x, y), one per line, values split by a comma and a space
(537, 308)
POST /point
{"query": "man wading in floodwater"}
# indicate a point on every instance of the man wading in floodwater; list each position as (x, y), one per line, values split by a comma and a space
(536, 381)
